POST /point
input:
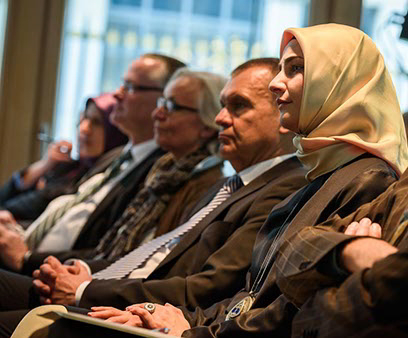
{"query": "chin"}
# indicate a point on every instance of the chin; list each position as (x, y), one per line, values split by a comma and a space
(163, 145)
(225, 152)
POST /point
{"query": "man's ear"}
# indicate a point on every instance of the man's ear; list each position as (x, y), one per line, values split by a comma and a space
(283, 130)
(207, 133)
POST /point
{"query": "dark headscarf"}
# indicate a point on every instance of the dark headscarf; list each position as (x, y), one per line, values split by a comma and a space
(113, 136)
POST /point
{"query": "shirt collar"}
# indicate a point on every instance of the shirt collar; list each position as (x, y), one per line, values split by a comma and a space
(141, 150)
(249, 174)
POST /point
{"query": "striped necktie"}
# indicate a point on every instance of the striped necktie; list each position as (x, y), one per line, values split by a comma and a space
(37, 235)
(125, 265)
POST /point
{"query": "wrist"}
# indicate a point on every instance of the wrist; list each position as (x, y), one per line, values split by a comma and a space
(21, 260)
(27, 256)
(49, 164)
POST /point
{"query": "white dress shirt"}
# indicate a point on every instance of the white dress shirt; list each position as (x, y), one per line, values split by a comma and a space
(64, 233)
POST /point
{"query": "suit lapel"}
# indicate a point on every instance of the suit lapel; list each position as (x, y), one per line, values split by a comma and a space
(253, 186)
(126, 185)
(206, 199)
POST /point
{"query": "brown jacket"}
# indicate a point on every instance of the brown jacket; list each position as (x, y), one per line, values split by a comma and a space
(271, 313)
(368, 303)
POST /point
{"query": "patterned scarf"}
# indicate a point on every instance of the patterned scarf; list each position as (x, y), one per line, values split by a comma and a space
(143, 213)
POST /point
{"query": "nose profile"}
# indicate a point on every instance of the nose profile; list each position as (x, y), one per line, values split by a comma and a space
(119, 93)
(276, 86)
(85, 126)
(159, 114)
(223, 118)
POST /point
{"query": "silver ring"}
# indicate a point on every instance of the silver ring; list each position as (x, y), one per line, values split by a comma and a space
(150, 307)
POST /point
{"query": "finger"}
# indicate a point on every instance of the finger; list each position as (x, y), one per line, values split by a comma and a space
(7, 217)
(36, 274)
(148, 321)
(75, 268)
(53, 262)
(363, 227)
(41, 288)
(105, 314)
(65, 144)
(45, 301)
(134, 321)
(47, 273)
(375, 230)
(102, 308)
(351, 229)
(139, 306)
(118, 319)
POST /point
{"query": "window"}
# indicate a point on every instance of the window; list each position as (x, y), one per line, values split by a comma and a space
(102, 37)
(135, 3)
(244, 10)
(174, 5)
(211, 8)
(382, 21)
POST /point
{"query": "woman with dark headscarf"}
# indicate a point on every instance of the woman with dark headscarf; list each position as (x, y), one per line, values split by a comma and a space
(28, 192)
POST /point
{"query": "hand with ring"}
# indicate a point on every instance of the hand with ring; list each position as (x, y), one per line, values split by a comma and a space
(166, 316)
(150, 307)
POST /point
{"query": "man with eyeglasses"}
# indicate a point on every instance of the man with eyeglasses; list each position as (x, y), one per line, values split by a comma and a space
(100, 200)
(210, 261)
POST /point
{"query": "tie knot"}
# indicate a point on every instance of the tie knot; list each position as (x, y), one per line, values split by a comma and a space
(233, 183)
(114, 169)
(126, 156)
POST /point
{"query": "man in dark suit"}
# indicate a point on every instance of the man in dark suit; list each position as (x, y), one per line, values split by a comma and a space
(210, 261)
(144, 83)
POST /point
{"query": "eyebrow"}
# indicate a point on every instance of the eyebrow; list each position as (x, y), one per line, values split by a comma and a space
(289, 59)
(236, 99)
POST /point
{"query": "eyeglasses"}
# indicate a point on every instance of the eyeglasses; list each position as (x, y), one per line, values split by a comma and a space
(130, 88)
(172, 106)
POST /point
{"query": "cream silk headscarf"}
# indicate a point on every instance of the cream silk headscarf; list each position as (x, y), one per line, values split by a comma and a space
(349, 104)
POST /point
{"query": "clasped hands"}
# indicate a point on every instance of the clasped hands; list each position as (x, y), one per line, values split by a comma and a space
(57, 283)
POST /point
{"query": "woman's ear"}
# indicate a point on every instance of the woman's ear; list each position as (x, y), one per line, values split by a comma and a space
(207, 133)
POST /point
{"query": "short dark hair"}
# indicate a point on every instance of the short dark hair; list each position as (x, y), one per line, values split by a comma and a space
(271, 63)
(171, 63)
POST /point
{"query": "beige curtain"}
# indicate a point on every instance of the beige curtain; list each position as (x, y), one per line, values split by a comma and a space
(30, 66)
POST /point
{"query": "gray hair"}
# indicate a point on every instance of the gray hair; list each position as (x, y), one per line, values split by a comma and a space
(209, 101)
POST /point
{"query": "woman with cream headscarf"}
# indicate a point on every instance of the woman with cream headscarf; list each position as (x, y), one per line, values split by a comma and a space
(335, 93)
(348, 106)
